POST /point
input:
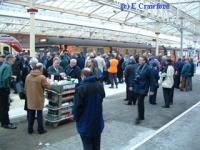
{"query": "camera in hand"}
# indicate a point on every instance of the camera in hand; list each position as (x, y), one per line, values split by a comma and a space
(137, 78)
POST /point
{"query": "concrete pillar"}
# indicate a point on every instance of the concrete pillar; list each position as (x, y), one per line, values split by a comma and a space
(157, 43)
(32, 12)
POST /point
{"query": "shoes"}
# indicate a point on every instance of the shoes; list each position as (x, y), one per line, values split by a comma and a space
(42, 132)
(111, 87)
(125, 99)
(138, 121)
(153, 103)
(30, 132)
(15, 92)
(10, 126)
(165, 106)
(116, 86)
(128, 104)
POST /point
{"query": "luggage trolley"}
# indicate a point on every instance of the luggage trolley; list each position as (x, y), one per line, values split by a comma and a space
(60, 103)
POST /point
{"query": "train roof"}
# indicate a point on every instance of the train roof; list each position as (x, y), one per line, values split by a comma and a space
(10, 40)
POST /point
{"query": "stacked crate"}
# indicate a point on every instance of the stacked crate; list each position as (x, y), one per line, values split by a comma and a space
(60, 103)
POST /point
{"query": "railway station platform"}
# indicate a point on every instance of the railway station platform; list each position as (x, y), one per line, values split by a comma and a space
(93, 32)
(17, 105)
(158, 131)
(179, 134)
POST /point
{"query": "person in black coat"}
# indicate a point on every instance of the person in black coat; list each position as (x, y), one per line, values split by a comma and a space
(120, 69)
(192, 71)
(80, 61)
(73, 70)
(129, 74)
(49, 60)
(177, 77)
(155, 72)
(16, 69)
(144, 80)
(88, 111)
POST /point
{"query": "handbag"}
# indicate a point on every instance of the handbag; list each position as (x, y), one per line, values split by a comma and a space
(20, 89)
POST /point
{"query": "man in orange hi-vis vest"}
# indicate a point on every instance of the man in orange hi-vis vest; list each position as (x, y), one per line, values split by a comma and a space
(112, 69)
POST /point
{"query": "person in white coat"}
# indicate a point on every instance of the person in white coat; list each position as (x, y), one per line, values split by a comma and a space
(101, 62)
(168, 83)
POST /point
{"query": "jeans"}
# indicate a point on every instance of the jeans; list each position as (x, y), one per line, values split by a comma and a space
(31, 119)
(91, 143)
(4, 106)
(113, 77)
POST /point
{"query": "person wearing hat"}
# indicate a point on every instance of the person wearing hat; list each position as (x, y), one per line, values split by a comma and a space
(1, 59)
(5, 80)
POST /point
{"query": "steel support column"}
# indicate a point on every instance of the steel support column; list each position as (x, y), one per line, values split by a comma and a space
(157, 43)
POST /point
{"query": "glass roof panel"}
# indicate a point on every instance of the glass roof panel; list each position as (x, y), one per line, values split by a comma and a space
(188, 6)
(106, 11)
(68, 16)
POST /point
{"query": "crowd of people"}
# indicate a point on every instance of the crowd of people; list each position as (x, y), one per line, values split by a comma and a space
(143, 75)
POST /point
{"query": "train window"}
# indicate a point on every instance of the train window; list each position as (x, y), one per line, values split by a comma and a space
(6, 50)
(100, 50)
(84, 50)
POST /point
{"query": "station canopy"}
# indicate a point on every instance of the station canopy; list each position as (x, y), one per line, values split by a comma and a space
(105, 20)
